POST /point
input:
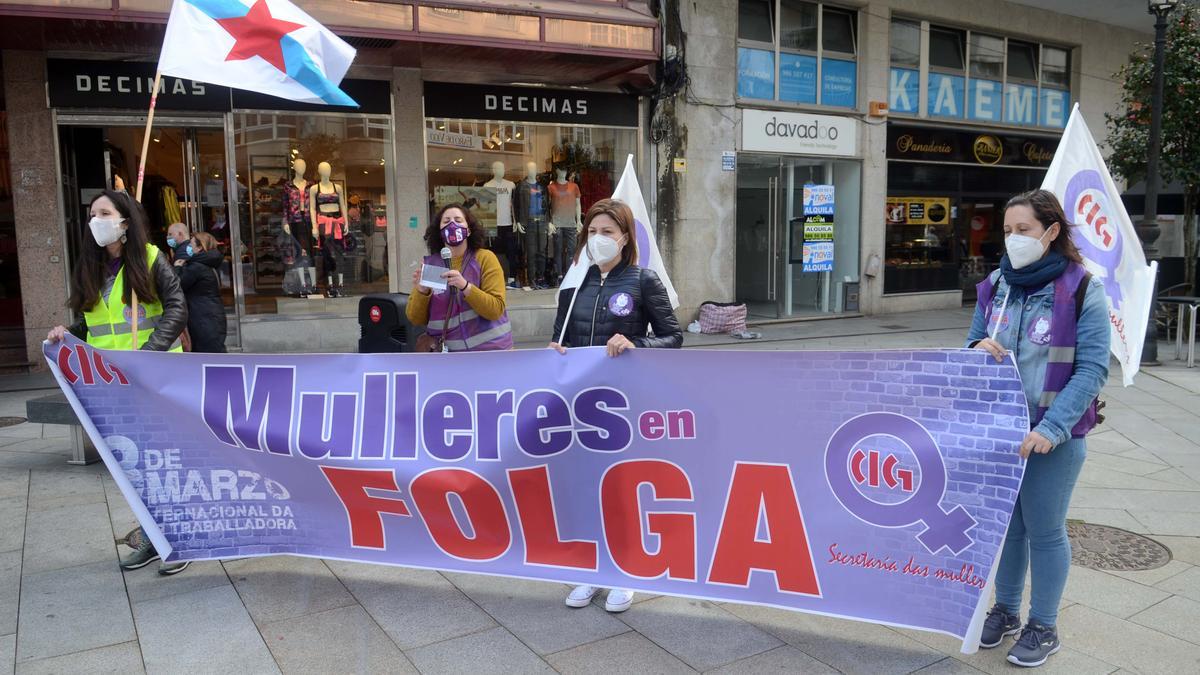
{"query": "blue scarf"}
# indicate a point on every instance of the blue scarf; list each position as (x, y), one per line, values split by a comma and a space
(1034, 276)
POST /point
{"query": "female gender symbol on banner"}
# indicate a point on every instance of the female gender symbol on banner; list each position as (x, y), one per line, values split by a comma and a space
(1098, 236)
(942, 528)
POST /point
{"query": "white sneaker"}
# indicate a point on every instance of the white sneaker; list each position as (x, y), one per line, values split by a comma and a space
(581, 596)
(618, 600)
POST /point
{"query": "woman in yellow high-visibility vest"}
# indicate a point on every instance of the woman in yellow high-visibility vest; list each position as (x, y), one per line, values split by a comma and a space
(114, 261)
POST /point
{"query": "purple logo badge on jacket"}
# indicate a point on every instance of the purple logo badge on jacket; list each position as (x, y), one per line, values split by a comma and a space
(620, 304)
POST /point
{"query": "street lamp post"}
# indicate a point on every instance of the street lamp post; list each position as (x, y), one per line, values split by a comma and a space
(1147, 229)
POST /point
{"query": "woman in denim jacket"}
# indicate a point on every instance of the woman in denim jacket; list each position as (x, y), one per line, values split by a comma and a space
(1027, 309)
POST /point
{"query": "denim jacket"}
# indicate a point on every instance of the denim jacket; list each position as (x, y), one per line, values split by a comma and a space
(1030, 315)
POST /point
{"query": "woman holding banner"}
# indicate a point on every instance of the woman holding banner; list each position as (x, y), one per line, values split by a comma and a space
(1046, 311)
(612, 307)
(470, 315)
(116, 263)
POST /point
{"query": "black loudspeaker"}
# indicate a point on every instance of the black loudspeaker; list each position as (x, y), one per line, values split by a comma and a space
(383, 326)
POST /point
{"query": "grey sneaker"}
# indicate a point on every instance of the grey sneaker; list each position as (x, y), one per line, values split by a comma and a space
(167, 569)
(998, 625)
(143, 555)
(1036, 643)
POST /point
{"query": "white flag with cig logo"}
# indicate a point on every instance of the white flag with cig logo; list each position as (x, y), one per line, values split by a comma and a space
(1102, 230)
(629, 191)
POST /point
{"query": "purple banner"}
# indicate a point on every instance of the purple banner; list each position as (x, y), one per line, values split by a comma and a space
(869, 485)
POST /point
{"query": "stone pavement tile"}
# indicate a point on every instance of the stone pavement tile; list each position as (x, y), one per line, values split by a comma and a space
(948, 666)
(1177, 615)
(281, 587)
(493, 651)
(53, 489)
(1186, 549)
(1186, 584)
(1126, 644)
(209, 627)
(73, 609)
(14, 483)
(10, 590)
(68, 536)
(1109, 594)
(785, 659)
(1119, 518)
(699, 633)
(8, 652)
(1167, 479)
(848, 646)
(1067, 661)
(147, 584)
(625, 653)
(1134, 467)
(534, 612)
(1178, 479)
(343, 640)
(1154, 576)
(12, 523)
(399, 599)
(32, 460)
(22, 430)
(1179, 523)
(1156, 500)
(1111, 443)
(122, 658)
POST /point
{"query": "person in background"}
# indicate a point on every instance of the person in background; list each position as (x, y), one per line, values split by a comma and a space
(615, 303)
(470, 314)
(196, 263)
(115, 261)
(177, 235)
(1045, 310)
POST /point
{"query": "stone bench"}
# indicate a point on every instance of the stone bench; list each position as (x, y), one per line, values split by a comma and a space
(55, 409)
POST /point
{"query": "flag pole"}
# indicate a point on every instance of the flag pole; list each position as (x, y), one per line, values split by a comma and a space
(141, 176)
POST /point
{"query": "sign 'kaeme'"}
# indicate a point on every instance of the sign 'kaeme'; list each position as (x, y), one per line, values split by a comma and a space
(849, 484)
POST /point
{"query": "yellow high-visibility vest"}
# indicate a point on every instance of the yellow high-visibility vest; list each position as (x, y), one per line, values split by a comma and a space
(108, 321)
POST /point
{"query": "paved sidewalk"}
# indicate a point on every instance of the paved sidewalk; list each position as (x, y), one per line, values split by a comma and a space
(65, 606)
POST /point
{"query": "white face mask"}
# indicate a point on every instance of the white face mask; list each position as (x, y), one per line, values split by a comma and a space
(1024, 250)
(602, 249)
(106, 230)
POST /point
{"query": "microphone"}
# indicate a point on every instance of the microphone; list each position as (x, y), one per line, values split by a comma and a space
(446, 259)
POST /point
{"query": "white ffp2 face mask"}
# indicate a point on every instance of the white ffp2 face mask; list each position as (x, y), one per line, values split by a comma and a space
(1024, 250)
(602, 249)
(106, 230)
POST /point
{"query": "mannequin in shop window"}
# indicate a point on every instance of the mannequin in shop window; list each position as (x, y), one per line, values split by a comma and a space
(507, 245)
(297, 224)
(327, 206)
(566, 215)
(531, 220)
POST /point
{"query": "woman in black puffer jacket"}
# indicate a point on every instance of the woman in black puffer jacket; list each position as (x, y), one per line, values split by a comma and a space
(616, 302)
(197, 269)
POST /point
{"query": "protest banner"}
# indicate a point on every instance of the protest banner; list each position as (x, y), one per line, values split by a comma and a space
(869, 485)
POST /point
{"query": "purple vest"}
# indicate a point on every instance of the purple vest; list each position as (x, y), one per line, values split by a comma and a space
(465, 330)
(1061, 363)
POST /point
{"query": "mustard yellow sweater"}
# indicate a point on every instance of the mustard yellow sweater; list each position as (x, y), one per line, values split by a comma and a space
(488, 300)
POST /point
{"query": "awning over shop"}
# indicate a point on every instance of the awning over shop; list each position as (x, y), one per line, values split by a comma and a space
(537, 41)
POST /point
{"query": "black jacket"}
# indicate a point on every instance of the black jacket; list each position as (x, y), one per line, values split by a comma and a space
(175, 312)
(600, 310)
(206, 312)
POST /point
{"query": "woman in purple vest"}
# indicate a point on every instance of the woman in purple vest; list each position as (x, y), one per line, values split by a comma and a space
(1044, 309)
(470, 314)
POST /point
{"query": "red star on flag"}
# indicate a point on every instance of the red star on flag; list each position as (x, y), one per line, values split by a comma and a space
(258, 34)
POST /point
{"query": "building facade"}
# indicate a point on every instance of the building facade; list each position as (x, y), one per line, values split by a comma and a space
(810, 159)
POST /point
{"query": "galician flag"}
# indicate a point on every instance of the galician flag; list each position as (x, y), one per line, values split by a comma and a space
(267, 46)
(630, 192)
(1105, 236)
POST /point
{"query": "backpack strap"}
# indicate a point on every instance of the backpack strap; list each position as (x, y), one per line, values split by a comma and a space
(1081, 294)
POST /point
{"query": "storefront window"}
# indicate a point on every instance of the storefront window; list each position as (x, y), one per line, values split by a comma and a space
(313, 205)
(525, 176)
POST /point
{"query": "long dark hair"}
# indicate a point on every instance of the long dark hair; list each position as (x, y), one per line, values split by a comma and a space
(623, 215)
(1048, 211)
(433, 233)
(91, 269)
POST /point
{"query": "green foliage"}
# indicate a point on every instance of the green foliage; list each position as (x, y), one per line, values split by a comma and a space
(1129, 131)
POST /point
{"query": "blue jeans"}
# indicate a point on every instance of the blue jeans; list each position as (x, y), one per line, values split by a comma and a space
(1037, 535)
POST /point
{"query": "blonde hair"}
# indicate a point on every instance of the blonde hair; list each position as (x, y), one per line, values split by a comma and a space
(207, 241)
